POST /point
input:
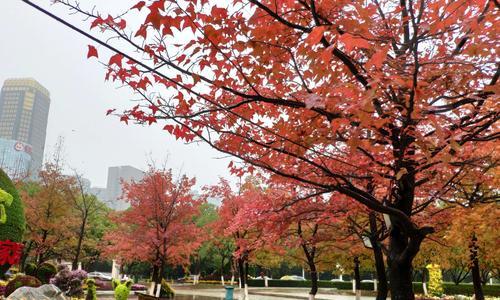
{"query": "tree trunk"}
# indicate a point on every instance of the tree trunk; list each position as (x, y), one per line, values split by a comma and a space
(156, 274)
(79, 244)
(314, 281)
(476, 273)
(379, 260)
(401, 281)
(222, 266)
(424, 280)
(357, 276)
(241, 271)
(402, 250)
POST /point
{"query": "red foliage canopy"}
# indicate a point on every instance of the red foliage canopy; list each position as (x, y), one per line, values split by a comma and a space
(159, 225)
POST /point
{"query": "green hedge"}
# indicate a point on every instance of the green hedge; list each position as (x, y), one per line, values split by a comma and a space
(449, 288)
(345, 285)
(13, 228)
(462, 289)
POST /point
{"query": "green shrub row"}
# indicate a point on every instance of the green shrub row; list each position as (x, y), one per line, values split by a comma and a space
(462, 289)
(449, 288)
(345, 285)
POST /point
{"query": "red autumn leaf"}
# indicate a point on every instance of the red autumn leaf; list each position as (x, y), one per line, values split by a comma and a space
(153, 108)
(122, 24)
(350, 42)
(377, 58)
(116, 60)
(139, 5)
(124, 118)
(110, 111)
(316, 34)
(150, 120)
(142, 31)
(97, 22)
(169, 128)
(92, 52)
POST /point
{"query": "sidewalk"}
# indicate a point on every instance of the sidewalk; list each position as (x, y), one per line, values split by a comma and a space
(272, 294)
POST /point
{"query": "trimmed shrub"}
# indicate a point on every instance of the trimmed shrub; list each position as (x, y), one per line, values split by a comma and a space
(341, 285)
(166, 290)
(122, 290)
(91, 290)
(448, 287)
(30, 269)
(20, 281)
(46, 271)
(13, 228)
(435, 280)
(461, 289)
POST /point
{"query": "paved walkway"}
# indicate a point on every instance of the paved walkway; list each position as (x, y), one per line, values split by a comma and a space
(273, 294)
(184, 293)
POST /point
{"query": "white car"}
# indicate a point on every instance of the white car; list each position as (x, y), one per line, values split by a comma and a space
(100, 275)
(292, 277)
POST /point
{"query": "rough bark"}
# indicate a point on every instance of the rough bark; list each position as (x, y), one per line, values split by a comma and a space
(402, 250)
(78, 250)
(476, 272)
(379, 259)
(241, 271)
(357, 275)
(314, 281)
(401, 283)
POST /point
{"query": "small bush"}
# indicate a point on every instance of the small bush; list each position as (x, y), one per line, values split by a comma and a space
(70, 282)
(166, 290)
(342, 285)
(45, 272)
(13, 229)
(20, 281)
(103, 285)
(91, 290)
(449, 288)
(122, 290)
(30, 269)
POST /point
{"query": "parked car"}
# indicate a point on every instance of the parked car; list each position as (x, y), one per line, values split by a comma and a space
(260, 277)
(100, 275)
(186, 278)
(292, 277)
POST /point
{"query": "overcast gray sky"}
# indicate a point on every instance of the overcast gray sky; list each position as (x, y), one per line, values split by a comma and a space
(32, 45)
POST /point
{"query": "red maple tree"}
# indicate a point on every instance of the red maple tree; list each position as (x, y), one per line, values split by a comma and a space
(371, 99)
(158, 227)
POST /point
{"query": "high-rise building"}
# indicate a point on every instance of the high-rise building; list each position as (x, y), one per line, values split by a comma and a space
(15, 158)
(24, 111)
(114, 189)
(100, 193)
